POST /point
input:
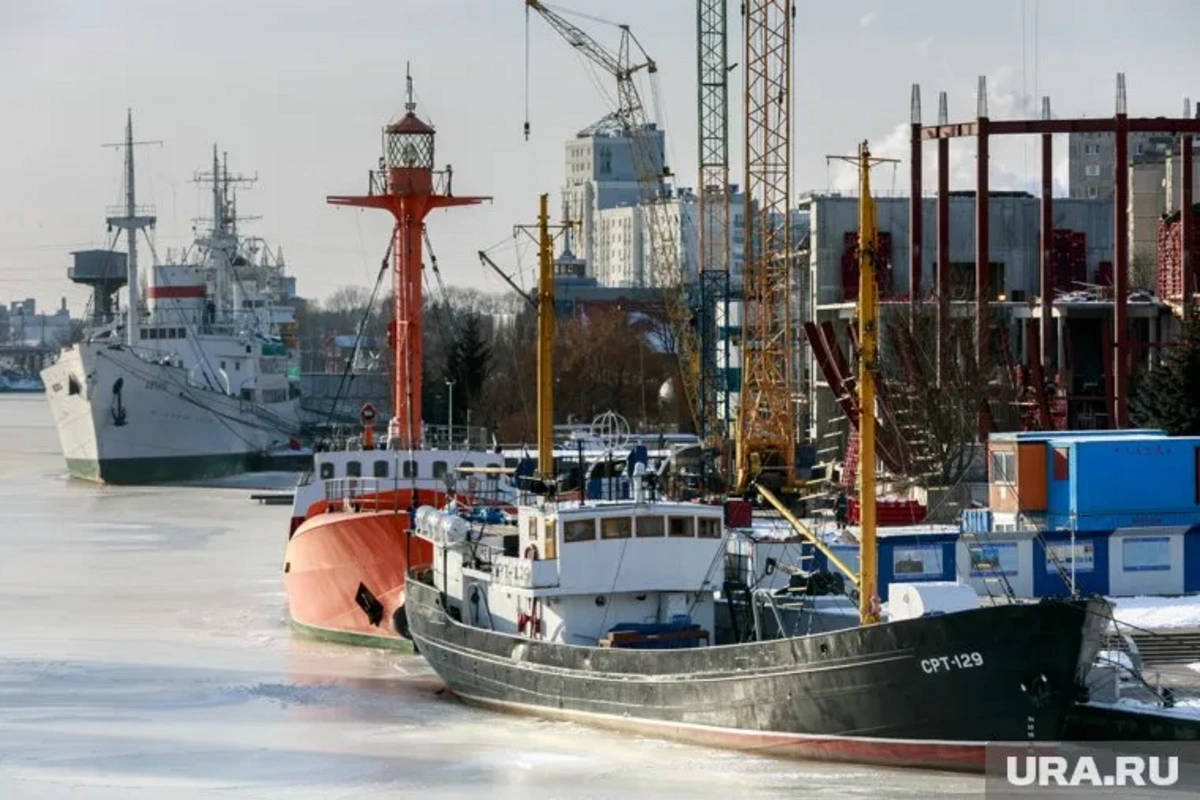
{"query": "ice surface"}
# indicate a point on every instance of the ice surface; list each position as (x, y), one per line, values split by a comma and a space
(144, 654)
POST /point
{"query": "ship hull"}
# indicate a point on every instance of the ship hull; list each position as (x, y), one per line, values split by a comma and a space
(124, 420)
(331, 556)
(901, 694)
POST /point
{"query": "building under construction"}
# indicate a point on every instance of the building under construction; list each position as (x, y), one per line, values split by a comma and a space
(1034, 290)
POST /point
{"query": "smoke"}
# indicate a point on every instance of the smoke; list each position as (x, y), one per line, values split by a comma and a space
(1014, 163)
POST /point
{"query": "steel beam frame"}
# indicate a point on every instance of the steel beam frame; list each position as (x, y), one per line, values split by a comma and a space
(982, 129)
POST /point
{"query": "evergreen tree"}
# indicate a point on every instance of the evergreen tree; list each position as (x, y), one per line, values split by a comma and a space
(1168, 396)
(467, 364)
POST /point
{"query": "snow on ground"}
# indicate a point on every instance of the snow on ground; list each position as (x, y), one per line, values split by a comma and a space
(1157, 613)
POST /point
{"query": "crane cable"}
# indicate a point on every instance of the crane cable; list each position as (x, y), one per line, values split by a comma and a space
(527, 72)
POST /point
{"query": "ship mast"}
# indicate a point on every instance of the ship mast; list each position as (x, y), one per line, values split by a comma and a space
(545, 348)
(131, 222)
(407, 185)
(222, 238)
(868, 340)
(546, 234)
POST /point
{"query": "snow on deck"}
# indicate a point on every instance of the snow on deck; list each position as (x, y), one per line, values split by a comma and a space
(1186, 708)
(1157, 613)
(778, 529)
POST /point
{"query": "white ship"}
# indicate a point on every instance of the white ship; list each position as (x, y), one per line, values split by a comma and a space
(199, 380)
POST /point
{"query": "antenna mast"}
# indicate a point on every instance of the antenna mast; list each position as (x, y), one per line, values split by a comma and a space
(222, 239)
(131, 219)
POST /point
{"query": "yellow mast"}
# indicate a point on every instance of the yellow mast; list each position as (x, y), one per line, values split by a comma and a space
(545, 342)
(868, 341)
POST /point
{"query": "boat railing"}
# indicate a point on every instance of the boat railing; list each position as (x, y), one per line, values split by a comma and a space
(339, 490)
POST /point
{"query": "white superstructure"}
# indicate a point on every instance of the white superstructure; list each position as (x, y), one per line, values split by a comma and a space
(202, 379)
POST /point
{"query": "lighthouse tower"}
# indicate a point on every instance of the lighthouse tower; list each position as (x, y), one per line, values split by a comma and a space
(408, 186)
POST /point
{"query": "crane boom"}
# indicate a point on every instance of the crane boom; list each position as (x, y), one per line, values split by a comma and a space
(667, 268)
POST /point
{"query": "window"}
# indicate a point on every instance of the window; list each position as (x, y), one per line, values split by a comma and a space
(326, 471)
(381, 469)
(439, 469)
(354, 469)
(467, 465)
(1146, 554)
(579, 530)
(1001, 467)
(616, 528)
(1062, 464)
(710, 528)
(682, 526)
(654, 526)
(917, 562)
(1062, 557)
(410, 469)
(1092, 193)
(1091, 149)
(1139, 148)
(1092, 170)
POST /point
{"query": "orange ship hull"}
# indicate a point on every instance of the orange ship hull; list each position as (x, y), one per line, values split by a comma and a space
(344, 575)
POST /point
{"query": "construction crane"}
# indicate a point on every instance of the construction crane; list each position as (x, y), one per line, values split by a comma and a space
(662, 229)
(712, 82)
(766, 436)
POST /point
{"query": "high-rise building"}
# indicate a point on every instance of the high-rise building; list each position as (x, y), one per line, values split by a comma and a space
(1153, 187)
(602, 195)
(600, 174)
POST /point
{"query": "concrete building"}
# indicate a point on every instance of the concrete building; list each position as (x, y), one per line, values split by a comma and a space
(599, 174)
(602, 194)
(1077, 356)
(1153, 187)
(25, 326)
(1091, 159)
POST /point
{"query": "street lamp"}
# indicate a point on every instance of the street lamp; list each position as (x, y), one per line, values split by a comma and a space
(450, 412)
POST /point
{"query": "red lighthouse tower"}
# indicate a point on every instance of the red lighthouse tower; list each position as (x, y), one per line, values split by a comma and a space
(408, 186)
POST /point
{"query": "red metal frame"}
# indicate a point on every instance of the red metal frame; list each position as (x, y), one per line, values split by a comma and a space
(1120, 126)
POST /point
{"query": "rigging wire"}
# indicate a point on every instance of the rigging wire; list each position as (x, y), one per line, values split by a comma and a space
(385, 262)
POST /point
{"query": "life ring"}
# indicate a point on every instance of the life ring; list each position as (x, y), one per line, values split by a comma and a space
(531, 552)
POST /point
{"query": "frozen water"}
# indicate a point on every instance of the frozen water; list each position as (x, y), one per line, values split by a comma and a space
(144, 654)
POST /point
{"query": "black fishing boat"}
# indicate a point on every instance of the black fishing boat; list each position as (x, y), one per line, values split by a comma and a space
(606, 613)
(928, 692)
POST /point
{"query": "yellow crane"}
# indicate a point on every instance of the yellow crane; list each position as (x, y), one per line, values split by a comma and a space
(766, 423)
(866, 578)
(666, 267)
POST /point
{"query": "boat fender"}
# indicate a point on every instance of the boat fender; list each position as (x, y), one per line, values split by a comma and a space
(400, 623)
(531, 552)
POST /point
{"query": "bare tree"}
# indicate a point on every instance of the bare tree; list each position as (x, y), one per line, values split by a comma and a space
(935, 420)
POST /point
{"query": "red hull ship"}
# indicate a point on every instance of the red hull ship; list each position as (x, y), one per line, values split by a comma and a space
(348, 545)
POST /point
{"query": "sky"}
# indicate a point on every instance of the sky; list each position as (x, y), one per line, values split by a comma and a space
(297, 92)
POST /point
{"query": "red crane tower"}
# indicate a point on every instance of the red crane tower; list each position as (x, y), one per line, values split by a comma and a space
(407, 185)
